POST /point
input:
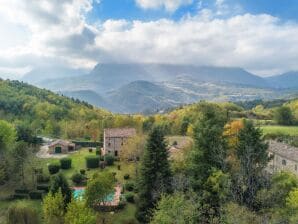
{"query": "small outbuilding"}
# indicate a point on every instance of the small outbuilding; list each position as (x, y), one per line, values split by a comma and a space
(61, 146)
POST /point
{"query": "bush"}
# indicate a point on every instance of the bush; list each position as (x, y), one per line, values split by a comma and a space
(22, 213)
(126, 176)
(41, 178)
(92, 161)
(65, 163)
(90, 150)
(82, 171)
(129, 186)
(21, 191)
(129, 197)
(98, 152)
(43, 187)
(20, 196)
(109, 160)
(35, 194)
(53, 168)
(77, 178)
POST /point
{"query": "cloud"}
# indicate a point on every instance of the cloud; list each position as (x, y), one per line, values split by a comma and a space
(59, 35)
(169, 5)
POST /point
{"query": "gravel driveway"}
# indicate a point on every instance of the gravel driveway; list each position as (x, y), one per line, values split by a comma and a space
(43, 153)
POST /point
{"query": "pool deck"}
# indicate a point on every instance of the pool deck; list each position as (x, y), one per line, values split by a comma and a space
(116, 199)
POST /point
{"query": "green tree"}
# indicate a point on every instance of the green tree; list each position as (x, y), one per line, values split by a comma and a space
(78, 213)
(7, 136)
(210, 146)
(98, 188)
(59, 182)
(53, 208)
(215, 193)
(19, 156)
(155, 174)
(252, 154)
(283, 116)
(176, 208)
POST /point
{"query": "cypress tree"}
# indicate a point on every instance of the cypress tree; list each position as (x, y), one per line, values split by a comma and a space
(209, 152)
(252, 154)
(155, 174)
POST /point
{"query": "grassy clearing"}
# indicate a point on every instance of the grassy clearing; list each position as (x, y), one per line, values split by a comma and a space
(277, 129)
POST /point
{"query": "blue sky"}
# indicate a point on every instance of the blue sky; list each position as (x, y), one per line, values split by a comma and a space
(128, 9)
(257, 35)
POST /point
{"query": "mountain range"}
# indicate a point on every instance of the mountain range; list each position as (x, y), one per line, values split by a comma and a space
(131, 88)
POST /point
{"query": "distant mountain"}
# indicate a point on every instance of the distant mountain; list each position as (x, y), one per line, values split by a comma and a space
(287, 80)
(138, 87)
(88, 96)
(42, 74)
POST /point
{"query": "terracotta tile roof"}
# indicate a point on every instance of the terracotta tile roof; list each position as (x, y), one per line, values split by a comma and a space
(119, 132)
(283, 150)
(61, 142)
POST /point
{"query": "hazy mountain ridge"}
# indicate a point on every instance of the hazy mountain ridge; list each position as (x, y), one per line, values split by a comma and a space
(139, 87)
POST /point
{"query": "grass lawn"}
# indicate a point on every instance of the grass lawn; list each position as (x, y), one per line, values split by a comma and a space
(277, 129)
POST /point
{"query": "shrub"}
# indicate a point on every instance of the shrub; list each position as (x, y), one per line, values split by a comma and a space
(129, 197)
(65, 163)
(53, 168)
(90, 150)
(43, 187)
(82, 171)
(35, 194)
(109, 160)
(21, 191)
(129, 186)
(42, 178)
(126, 176)
(92, 161)
(77, 178)
(22, 213)
(98, 152)
(20, 196)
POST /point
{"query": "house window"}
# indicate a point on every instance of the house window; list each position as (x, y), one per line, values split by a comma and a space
(116, 153)
(109, 144)
(284, 162)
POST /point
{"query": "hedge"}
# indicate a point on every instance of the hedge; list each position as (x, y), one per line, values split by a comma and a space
(82, 171)
(36, 194)
(126, 176)
(77, 178)
(109, 160)
(129, 186)
(41, 178)
(43, 187)
(21, 191)
(54, 168)
(87, 144)
(92, 161)
(129, 197)
(65, 163)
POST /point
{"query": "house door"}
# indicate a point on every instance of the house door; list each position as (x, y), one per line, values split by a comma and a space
(58, 149)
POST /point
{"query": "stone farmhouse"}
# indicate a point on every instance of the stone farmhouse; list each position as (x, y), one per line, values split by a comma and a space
(284, 157)
(61, 146)
(115, 138)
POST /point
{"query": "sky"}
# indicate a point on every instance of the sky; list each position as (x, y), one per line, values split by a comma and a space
(260, 36)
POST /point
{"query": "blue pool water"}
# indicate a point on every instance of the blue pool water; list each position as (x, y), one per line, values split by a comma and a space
(79, 194)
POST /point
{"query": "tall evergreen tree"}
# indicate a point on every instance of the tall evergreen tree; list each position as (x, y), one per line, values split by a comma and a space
(252, 154)
(59, 182)
(210, 146)
(155, 174)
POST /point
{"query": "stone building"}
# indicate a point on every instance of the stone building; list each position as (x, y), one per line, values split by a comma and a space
(284, 157)
(115, 138)
(61, 146)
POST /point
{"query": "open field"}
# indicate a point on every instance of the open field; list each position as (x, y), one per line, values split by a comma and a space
(277, 129)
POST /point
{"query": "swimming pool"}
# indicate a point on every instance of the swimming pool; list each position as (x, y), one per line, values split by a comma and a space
(78, 194)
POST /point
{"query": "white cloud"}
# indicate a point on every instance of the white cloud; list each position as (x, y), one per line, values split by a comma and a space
(169, 5)
(58, 34)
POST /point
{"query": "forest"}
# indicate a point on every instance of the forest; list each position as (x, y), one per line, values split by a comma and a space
(220, 176)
